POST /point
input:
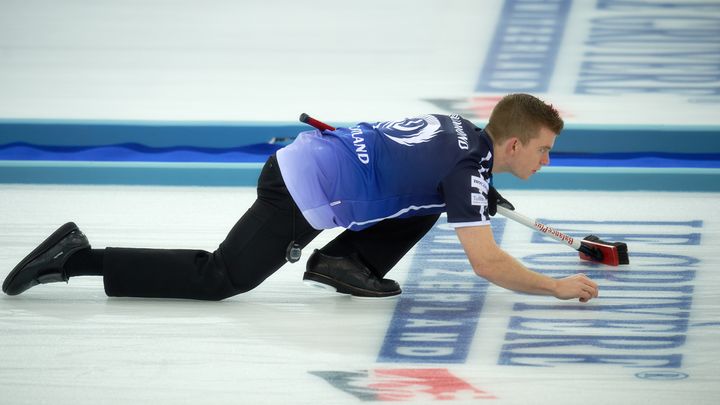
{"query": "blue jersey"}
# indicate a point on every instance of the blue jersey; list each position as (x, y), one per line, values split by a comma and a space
(355, 177)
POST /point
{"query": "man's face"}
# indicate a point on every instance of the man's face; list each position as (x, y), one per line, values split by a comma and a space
(530, 158)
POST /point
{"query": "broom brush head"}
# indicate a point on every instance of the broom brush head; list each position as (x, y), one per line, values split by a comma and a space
(597, 250)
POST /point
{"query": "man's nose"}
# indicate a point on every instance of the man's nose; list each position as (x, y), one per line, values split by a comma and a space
(545, 159)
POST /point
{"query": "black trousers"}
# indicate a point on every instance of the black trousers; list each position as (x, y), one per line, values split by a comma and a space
(253, 250)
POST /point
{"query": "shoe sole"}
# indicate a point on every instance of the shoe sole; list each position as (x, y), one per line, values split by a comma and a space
(331, 289)
(321, 286)
(325, 282)
(51, 240)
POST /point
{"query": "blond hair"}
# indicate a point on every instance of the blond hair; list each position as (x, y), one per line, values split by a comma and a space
(522, 116)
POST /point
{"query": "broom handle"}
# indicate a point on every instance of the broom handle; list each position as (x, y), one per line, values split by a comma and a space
(534, 224)
(315, 123)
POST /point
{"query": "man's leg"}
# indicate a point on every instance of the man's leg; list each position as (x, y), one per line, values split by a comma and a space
(373, 251)
(253, 250)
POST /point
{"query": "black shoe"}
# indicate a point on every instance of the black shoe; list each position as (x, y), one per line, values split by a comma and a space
(45, 263)
(348, 275)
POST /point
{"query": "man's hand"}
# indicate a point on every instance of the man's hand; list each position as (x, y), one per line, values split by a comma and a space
(495, 265)
(576, 286)
(495, 199)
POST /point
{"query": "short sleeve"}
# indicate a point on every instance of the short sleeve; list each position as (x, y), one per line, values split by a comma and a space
(465, 191)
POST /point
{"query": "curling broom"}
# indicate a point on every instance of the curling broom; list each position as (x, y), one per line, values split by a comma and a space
(591, 247)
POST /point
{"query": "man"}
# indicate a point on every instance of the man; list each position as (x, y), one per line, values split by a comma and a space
(386, 183)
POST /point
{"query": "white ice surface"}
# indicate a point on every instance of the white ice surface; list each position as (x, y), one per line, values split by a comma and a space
(70, 344)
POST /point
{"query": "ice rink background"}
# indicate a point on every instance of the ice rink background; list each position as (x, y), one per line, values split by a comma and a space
(651, 337)
(71, 344)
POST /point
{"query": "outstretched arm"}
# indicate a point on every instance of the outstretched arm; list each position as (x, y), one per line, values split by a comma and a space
(498, 267)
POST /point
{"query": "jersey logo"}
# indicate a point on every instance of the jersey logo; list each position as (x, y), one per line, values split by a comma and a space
(411, 131)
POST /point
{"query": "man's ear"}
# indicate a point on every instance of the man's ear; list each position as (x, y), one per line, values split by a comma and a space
(512, 145)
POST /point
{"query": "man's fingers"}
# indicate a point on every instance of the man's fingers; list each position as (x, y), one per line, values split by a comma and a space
(578, 286)
(589, 285)
(585, 296)
(587, 280)
(592, 290)
(592, 284)
(588, 288)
